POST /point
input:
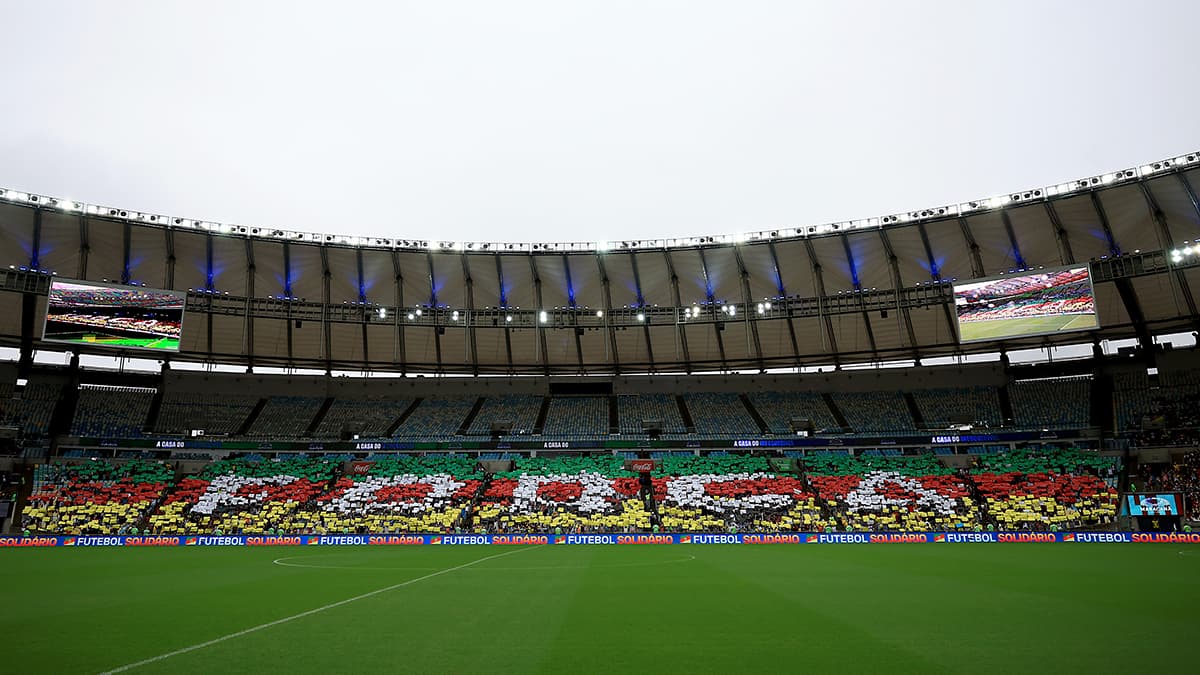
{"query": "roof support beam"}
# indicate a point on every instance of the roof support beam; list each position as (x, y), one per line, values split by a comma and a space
(935, 272)
(1018, 258)
(858, 287)
(641, 301)
(903, 319)
(612, 332)
(85, 248)
(35, 253)
(433, 303)
(1114, 248)
(126, 243)
(747, 300)
(400, 353)
(829, 338)
(1164, 237)
(1125, 286)
(1191, 193)
(972, 247)
(362, 299)
(679, 325)
(504, 306)
(169, 244)
(470, 318)
(574, 316)
(326, 298)
(1060, 234)
(540, 328)
(248, 321)
(783, 294)
(719, 325)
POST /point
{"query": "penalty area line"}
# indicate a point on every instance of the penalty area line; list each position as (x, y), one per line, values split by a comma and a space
(301, 615)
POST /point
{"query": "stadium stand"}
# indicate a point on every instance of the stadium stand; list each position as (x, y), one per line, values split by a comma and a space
(236, 496)
(1047, 488)
(31, 407)
(732, 493)
(875, 411)
(636, 408)
(577, 417)
(778, 409)
(564, 494)
(941, 408)
(95, 497)
(224, 415)
(720, 414)
(285, 416)
(1057, 403)
(111, 412)
(518, 410)
(436, 417)
(366, 417)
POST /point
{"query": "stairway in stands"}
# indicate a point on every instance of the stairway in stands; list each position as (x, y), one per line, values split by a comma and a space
(258, 407)
(915, 411)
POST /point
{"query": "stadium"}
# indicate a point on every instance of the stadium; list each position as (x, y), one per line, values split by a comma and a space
(960, 438)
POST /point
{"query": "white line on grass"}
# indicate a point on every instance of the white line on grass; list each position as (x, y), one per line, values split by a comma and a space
(301, 615)
(284, 562)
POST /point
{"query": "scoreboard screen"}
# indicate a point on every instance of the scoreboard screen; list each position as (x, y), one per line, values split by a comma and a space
(1022, 305)
(1152, 504)
(108, 315)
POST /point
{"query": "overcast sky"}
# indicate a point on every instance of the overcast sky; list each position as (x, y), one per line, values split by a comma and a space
(582, 121)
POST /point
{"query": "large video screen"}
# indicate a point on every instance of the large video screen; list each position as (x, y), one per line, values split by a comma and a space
(1020, 305)
(114, 316)
(1152, 505)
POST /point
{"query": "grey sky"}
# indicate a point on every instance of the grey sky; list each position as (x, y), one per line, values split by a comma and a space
(582, 121)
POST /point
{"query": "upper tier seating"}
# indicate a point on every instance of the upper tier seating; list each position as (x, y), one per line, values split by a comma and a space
(111, 412)
(577, 416)
(778, 409)
(367, 417)
(634, 409)
(215, 414)
(31, 408)
(720, 414)
(520, 410)
(875, 411)
(1060, 403)
(941, 408)
(286, 416)
(436, 417)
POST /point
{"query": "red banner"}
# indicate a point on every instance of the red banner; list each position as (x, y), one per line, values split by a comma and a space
(640, 465)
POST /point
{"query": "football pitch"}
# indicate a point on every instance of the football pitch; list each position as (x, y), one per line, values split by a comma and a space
(996, 329)
(120, 341)
(915, 608)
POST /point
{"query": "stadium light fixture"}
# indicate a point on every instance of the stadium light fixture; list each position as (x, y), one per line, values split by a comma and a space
(599, 314)
(418, 312)
(761, 308)
(410, 316)
(383, 312)
(508, 318)
(641, 316)
(454, 315)
(543, 316)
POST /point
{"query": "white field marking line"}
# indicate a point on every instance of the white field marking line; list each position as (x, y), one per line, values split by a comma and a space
(301, 615)
(282, 562)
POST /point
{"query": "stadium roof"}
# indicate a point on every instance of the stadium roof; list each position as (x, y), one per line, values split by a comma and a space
(865, 290)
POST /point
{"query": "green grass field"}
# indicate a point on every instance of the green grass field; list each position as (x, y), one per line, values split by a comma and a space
(979, 608)
(1030, 325)
(116, 341)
